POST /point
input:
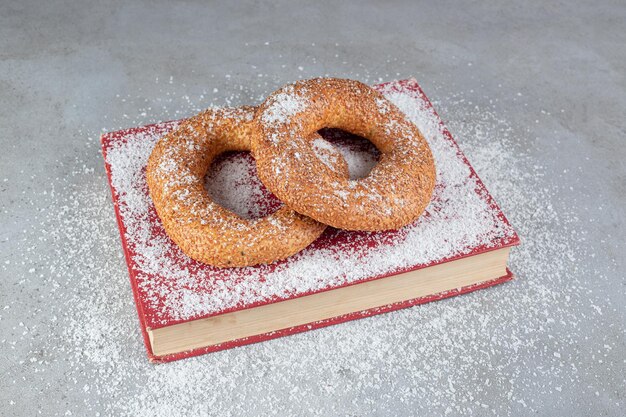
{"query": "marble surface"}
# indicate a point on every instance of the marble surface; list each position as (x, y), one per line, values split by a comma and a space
(553, 74)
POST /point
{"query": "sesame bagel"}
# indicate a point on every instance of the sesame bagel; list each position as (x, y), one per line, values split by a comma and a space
(204, 230)
(395, 192)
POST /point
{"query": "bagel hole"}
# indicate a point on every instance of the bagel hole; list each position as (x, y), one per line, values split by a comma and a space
(232, 182)
(360, 154)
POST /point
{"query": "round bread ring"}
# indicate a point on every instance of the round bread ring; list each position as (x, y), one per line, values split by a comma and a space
(204, 230)
(395, 192)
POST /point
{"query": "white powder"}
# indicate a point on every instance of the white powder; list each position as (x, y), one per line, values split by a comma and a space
(323, 149)
(382, 105)
(360, 154)
(232, 182)
(283, 107)
(516, 349)
(457, 221)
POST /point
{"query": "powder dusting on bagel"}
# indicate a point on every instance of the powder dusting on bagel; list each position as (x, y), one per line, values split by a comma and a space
(203, 229)
(326, 152)
(457, 220)
(283, 106)
(237, 171)
(406, 168)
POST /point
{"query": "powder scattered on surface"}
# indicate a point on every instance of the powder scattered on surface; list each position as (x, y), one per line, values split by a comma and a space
(457, 221)
(517, 349)
(232, 182)
(360, 154)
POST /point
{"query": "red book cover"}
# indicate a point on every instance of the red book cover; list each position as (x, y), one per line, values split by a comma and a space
(169, 288)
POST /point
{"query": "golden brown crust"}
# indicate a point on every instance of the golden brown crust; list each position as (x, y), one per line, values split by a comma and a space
(204, 230)
(395, 192)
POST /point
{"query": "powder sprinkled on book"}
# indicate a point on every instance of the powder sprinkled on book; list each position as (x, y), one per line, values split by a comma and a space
(171, 288)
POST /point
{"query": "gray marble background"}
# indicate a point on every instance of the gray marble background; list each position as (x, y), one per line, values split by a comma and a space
(70, 69)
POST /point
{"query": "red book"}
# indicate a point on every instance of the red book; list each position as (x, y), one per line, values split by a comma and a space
(186, 308)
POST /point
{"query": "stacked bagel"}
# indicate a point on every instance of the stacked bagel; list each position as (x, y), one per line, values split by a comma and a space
(312, 181)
